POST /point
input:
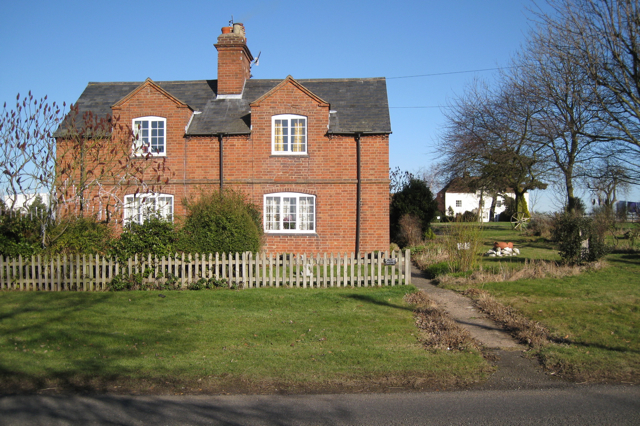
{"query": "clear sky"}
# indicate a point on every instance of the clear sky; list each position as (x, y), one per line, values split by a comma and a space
(55, 48)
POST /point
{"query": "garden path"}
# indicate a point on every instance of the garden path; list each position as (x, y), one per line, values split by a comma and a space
(514, 370)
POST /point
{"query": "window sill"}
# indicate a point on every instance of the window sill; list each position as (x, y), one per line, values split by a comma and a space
(290, 155)
(144, 156)
(292, 234)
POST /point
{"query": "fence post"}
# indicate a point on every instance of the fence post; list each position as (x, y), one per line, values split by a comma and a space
(407, 266)
(244, 270)
(393, 268)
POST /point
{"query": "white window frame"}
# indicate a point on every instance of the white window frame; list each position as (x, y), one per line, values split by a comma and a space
(302, 214)
(138, 208)
(286, 147)
(458, 203)
(143, 143)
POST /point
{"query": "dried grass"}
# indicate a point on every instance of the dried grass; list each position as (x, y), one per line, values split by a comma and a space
(429, 254)
(437, 329)
(522, 328)
(530, 269)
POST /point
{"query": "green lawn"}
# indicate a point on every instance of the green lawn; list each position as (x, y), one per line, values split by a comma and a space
(256, 340)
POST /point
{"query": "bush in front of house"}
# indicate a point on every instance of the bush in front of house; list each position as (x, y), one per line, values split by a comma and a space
(79, 235)
(221, 222)
(156, 236)
(22, 232)
(413, 199)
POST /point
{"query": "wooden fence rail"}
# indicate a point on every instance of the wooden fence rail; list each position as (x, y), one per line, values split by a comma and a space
(246, 270)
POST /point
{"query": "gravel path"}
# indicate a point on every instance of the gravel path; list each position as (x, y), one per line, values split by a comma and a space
(514, 370)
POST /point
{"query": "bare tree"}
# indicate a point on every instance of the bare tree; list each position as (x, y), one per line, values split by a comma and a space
(433, 176)
(27, 147)
(605, 181)
(79, 160)
(489, 136)
(568, 125)
(96, 165)
(602, 37)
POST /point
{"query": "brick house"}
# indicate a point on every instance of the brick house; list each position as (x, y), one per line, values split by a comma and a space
(313, 154)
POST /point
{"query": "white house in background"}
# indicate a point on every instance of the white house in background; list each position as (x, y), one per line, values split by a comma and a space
(458, 196)
(23, 201)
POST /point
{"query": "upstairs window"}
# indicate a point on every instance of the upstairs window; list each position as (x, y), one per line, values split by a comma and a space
(149, 136)
(289, 212)
(139, 208)
(289, 135)
(458, 203)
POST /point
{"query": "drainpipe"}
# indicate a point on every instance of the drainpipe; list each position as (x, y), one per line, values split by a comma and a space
(358, 193)
(221, 144)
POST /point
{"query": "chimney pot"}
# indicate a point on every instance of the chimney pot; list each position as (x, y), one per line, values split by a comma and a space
(238, 29)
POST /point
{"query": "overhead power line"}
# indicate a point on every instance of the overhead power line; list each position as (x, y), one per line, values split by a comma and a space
(448, 73)
(429, 106)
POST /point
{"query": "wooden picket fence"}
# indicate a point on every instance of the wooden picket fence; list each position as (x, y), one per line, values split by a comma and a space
(242, 270)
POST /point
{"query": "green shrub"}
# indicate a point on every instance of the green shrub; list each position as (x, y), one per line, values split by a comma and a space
(541, 225)
(413, 199)
(20, 233)
(208, 283)
(429, 234)
(221, 222)
(81, 235)
(570, 231)
(468, 216)
(156, 236)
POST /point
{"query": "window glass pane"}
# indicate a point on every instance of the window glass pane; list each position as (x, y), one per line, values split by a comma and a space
(298, 135)
(289, 213)
(149, 137)
(272, 213)
(278, 138)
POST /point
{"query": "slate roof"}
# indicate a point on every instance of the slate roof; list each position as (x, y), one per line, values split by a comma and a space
(360, 104)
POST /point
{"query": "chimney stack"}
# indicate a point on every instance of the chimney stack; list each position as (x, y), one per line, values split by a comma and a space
(234, 60)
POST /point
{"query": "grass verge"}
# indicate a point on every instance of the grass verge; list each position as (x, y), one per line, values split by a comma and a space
(581, 322)
(592, 319)
(221, 341)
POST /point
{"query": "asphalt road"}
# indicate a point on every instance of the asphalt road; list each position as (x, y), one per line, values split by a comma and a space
(573, 405)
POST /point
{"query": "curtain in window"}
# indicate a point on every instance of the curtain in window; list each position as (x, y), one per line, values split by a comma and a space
(297, 135)
(279, 142)
(165, 208)
(306, 213)
(272, 213)
(132, 209)
(289, 210)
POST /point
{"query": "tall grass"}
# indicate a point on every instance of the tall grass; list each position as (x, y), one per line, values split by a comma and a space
(463, 242)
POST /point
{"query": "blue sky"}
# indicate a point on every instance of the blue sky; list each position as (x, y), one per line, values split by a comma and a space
(55, 48)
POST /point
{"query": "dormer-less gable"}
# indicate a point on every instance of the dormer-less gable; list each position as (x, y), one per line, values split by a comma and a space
(149, 87)
(294, 91)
